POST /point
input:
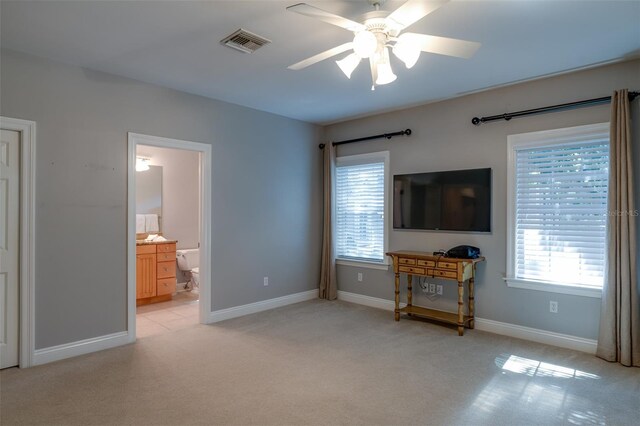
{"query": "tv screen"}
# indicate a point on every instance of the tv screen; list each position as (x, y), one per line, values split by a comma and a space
(448, 201)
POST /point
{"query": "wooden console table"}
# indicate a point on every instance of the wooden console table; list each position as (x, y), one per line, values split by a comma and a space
(427, 265)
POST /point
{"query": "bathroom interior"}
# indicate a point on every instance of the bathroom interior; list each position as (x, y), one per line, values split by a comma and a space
(167, 239)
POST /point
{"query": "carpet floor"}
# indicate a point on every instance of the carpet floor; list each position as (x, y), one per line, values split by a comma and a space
(324, 363)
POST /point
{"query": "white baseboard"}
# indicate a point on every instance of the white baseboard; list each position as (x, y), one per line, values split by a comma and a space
(263, 305)
(374, 302)
(518, 331)
(81, 347)
(536, 335)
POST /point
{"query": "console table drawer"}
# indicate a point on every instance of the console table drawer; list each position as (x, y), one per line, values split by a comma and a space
(406, 261)
(448, 265)
(412, 270)
(441, 273)
(428, 263)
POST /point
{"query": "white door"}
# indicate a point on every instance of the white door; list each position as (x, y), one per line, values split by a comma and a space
(9, 260)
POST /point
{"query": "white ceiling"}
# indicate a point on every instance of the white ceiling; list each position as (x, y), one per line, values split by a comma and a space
(176, 44)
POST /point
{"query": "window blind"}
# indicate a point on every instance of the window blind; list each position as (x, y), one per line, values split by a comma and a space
(360, 211)
(561, 213)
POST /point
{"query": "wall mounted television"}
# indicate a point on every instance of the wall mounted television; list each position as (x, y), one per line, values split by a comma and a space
(457, 200)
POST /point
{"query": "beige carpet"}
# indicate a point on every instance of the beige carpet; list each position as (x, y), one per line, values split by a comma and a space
(327, 363)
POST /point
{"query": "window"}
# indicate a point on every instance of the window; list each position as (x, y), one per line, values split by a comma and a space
(557, 210)
(361, 208)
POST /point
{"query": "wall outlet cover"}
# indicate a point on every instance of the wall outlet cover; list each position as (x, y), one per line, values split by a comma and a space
(553, 307)
(439, 289)
(266, 281)
(360, 276)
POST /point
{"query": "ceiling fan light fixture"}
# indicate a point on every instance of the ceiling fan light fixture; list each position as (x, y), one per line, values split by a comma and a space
(142, 164)
(349, 63)
(380, 32)
(407, 49)
(385, 74)
(373, 65)
(365, 43)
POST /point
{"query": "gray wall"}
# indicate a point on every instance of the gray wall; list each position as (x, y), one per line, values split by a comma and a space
(265, 195)
(266, 189)
(180, 192)
(444, 139)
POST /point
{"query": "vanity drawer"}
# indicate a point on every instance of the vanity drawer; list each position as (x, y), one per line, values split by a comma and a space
(166, 256)
(411, 270)
(166, 286)
(443, 274)
(429, 263)
(448, 265)
(166, 269)
(405, 261)
(165, 248)
(146, 249)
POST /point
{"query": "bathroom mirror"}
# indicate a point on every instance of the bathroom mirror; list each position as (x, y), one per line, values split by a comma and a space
(149, 192)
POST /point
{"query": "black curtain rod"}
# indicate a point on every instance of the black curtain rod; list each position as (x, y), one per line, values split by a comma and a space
(367, 138)
(561, 107)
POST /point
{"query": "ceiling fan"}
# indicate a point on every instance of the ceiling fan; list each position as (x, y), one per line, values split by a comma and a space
(381, 31)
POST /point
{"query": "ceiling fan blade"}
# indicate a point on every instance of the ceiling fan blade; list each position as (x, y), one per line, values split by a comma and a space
(314, 12)
(413, 11)
(321, 56)
(445, 45)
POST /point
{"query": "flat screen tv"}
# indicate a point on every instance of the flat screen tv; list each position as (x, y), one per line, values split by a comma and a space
(457, 200)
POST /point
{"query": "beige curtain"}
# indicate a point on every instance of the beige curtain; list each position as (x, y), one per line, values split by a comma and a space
(328, 288)
(619, 337)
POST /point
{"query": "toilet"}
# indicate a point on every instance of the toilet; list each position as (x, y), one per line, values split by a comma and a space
(188, 262)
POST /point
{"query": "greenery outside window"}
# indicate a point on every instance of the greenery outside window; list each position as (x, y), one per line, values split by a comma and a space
(557, 210)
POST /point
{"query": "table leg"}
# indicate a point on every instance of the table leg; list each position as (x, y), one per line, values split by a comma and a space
(409, 290)
(397, 310)
(471, 302)
(460, 308)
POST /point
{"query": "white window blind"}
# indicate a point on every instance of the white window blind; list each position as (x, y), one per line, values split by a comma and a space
(360, 211)
(561, 212)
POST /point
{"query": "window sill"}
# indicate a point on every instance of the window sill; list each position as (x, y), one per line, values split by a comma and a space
(363, 264)
(575, 290)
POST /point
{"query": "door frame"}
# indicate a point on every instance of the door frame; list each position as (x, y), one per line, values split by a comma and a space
(206, 287)
(27, 191)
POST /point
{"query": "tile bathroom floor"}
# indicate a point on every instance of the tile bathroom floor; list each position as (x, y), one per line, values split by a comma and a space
(161, 318)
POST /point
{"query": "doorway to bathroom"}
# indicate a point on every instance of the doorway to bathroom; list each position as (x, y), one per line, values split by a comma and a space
(169, 244)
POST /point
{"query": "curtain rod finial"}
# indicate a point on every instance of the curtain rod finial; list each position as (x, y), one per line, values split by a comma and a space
(475, 121)
(321, 146)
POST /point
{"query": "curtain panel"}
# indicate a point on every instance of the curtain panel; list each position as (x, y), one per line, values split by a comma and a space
(328, 288)
(619, 335)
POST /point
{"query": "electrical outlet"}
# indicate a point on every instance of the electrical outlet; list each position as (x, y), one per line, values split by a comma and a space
(360, 276)
(439, 290)
(553, 307)
(432, 288)
(266, 281)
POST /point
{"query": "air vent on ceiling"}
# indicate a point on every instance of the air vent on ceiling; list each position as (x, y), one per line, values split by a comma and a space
(245, 41)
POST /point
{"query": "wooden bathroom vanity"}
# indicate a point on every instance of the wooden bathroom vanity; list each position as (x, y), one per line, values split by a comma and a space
(155, 271)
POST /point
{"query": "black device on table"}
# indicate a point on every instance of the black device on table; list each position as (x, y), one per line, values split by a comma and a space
(462, 252)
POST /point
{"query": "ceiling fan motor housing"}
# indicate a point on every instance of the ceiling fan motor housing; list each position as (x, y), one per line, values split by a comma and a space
(377, 22)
